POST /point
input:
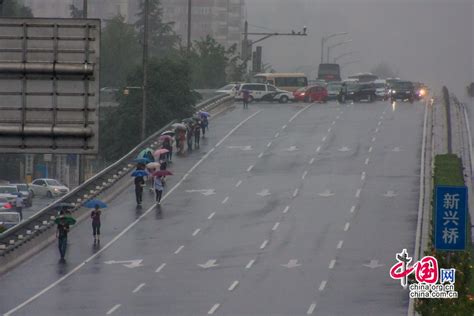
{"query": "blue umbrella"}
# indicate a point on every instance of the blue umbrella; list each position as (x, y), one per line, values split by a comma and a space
(92, 203)
(140, 173)
(142, 160)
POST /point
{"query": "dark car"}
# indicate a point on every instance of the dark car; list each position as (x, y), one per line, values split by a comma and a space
(402, 90)
(360, 92)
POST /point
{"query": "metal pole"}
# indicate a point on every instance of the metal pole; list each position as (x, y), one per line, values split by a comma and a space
(322, 49)
(189, 24)
(145, 70)
(328, 54)
(84, 9)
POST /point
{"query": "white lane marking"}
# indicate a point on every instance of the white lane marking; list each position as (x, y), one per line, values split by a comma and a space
(373, 139)
(264, 244)
(358, 193)
(196, 232)
(224, 201)
(318, 149)
(138, 288)
(275, 227)
(213, 309)
(249, 168)
(249, 265)
(160, 268)
(178, 250)
(212, 215)
(346, 227)
(233, 285)
(379, 123)
(269, 144)
(235, 128)
(130, 226)
(362, 176)
(381, 117)
(322, 285)
(311, 309)
(377, 130)
(295, 193)
(329, 130)
(332, 263)
(337, 117)
(305, 173)
(283, 127)
(113, 309)
(260, 155)
(298, 113)
(286, 209)
(353, 208)
(238, 184)
(333, 122)
(339, 245)
(276, 134)
(324, 139)
(370, 149)
(367, 161)
(311, 161)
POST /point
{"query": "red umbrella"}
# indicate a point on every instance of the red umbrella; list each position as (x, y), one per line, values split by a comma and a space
(160, 152)
(165, 137)
(162, 173)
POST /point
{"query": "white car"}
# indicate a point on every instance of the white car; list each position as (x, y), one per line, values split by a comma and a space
(381, 89)
(48, 187)
(230, 89)
(264, 92)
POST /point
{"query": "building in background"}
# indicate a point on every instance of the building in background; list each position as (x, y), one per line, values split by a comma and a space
(221, 19)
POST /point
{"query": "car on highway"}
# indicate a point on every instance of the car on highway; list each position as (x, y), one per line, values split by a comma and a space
(48, 187)
(381, 89)
(9, 219)
(10, 192)
(333, 89)
(264, 92)
(311, 94)
(357, 92)
(420, 90)
(230, 89)
(402, 90)
(26, 194)
(5, 204)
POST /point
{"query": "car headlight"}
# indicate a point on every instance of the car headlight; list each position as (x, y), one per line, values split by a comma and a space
(393, 91)
(56, 190)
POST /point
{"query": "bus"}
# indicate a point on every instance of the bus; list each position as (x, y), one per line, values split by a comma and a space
(284, 81)
(329, 72)
(364, 77)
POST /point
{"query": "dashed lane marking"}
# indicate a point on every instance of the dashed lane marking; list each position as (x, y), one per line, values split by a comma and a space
(178, 250)
(332, 263)
(305, 173)
(367, 161)
(275, 227)
(224, 201)
(264, 244)
(260, 155)
(311, 309)
(339, 244)
(295, 193)
(160, 268)
(322, 285)
(353, 208)
(212, 215)
(196, 232)
(233, 285)
(250, 168)
(311, 161)
(358, 193)
(213, 309)
(138, 288)
(238, 184)
(250, 264)
(370, 149)
(346, 227)
(286, 209)
(113, 309)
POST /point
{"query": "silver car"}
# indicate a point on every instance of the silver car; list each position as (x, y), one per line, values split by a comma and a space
(26, 194)
(48, 187)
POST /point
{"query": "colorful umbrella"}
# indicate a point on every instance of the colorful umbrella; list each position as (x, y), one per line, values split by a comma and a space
(179, 126)
(142, 160)
(140, 173)
(160, 152)
(92, 203)
(204, 114)
(162, 173)
(165, 138)
(169, 133)
(188, 120)
(68, 219)
(153, 165)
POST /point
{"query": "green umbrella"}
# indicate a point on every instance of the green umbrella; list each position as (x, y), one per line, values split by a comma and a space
(144, 152)
(68, 219)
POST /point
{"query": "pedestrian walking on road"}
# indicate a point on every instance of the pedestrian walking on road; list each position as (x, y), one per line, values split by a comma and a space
(204, 125)
(197, 134)
(95, 216)
(246, 98)
(189, 137)
(159, 186)
(61, 234)
(19, 205)
(139, 184)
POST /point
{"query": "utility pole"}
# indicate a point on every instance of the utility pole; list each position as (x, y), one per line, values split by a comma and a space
(84, 9)
(145, 70)
(189, 24)
(335, 45)
(324, 39)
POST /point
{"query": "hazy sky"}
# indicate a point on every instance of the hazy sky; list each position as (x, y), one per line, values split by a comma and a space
(424, 40)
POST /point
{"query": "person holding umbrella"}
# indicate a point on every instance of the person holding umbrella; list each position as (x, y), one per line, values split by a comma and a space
(95, 216)
(189, 137)
(139, 175)
(197, 134)
(62, 231)
(159, 186)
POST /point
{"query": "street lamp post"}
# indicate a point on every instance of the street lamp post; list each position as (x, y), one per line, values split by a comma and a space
(335, 45)
(145, 70)
(336, 59)
(324, 39)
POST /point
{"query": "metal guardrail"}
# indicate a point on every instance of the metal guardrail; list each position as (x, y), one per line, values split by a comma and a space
(43, 220)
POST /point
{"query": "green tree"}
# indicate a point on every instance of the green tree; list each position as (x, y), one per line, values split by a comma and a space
(169, 97)
(121, 52)
(11, 8)
(161, 37)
